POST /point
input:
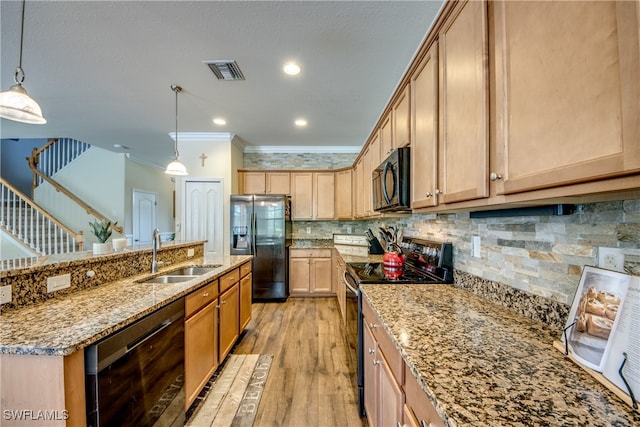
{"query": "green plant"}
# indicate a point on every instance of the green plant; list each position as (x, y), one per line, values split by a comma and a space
(102, 229)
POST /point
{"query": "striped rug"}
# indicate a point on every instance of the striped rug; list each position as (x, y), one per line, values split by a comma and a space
(234, 396)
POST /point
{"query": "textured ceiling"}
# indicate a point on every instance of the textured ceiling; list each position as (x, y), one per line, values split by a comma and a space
(102, 70)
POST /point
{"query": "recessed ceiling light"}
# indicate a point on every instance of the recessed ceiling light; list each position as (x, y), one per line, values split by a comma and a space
(300, 122)
(291, 68)
(219, 121)
(120, 147)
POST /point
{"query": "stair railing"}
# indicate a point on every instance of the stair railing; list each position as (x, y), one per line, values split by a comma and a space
(52, 166)
(33, 226)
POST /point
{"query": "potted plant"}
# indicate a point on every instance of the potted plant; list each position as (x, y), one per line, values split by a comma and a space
(102, 231)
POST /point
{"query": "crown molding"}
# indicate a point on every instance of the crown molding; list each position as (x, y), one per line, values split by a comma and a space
(302, 149)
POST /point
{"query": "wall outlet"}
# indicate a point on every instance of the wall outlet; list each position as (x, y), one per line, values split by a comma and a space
(55, 283)
(5, 294)
(190, 252)
(349, 229)
(475, 246)
(308, 230)
(611, 259)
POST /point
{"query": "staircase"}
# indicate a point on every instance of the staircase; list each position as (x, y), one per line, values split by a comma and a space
(33, 226)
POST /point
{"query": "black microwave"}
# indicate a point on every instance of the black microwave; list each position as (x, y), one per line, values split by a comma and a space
(391, 189)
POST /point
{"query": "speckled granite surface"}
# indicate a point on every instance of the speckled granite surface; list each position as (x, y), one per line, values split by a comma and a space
(63, 325)
(311, 244)
(483, 365)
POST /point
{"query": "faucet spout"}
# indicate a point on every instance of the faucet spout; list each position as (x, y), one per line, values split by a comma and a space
(156, 245)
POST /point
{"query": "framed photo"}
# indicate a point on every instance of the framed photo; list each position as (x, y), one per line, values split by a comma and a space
(595, 314)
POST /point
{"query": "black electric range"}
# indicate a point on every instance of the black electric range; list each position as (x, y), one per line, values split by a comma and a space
(425, 262)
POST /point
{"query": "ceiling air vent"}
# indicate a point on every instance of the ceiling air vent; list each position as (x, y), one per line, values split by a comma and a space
(225, 70)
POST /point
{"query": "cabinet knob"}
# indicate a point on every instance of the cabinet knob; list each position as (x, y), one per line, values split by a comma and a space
(495, 176)
(437, 192)
(428, 194)
(372, 325)
(206, 294)
(224, 302)
(423, 423)
(371, 351)
(376, 362)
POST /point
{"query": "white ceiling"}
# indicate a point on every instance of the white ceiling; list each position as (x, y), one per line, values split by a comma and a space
(102, 70)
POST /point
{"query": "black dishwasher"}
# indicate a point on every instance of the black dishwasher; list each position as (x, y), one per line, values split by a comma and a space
(135, 377)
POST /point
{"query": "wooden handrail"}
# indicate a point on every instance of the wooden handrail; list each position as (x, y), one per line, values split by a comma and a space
(78, 236)
(33, 164)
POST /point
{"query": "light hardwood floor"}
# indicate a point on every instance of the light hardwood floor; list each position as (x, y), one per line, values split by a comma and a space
(310, 382)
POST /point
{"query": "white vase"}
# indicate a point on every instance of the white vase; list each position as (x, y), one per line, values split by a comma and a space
(102, 248)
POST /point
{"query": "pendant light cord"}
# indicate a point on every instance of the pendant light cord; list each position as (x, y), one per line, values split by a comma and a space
(176, 89)
(19, 70)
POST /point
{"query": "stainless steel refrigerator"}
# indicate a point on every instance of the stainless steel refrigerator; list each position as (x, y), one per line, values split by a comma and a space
(261, 226)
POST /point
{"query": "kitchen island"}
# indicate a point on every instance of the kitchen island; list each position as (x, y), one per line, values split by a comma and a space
(480, 364)
(42, 364)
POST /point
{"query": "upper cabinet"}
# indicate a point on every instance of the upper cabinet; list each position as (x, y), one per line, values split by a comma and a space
(463, 104)
(424, 120)
(261, 182)
(344, 194)
(313, 195)
(567, 89)
(386, 136)
(401, 114)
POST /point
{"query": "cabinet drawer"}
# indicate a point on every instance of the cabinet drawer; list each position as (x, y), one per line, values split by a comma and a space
(418, 404)
(310, 253)
(245, 269)
(389, 350)
(229, 279)
(198, 299)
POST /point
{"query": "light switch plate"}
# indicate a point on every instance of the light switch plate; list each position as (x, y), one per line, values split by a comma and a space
(5, 294)
(55, 283)
(475, 246)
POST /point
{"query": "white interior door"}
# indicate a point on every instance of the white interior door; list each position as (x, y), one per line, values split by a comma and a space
(145, 213)
(203, 219)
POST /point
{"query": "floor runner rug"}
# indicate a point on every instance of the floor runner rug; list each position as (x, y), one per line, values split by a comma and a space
(234, 394)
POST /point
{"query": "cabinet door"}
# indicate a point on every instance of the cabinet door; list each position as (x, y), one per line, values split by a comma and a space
(229, 320)
(386, 136)
(245, 300)
(299, 276)
(201, 352)
(567, 92)
(370, 377)
(401, 120)
(278, 183)
(390, 397)
(344, 194)
(323, 195)
(358, 189)
(321, 275)
(424, 147)
(253, 182)
(463, 130)
(302, 195)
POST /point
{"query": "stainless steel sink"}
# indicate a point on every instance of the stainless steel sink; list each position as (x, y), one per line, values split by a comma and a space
(193, 270)
(167, 279)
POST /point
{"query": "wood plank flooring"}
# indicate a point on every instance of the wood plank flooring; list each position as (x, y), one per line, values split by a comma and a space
(310, 382)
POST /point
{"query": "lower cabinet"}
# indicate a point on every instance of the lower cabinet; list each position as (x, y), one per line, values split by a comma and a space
(229, 319)
(310, 272)
(245, 300)
(418, 411)
(200, 339)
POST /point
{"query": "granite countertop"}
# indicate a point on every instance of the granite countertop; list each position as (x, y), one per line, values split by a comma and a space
(311, 244)
(65, 325)
(481, 364)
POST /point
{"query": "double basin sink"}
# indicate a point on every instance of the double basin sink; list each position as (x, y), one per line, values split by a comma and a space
(182, 274)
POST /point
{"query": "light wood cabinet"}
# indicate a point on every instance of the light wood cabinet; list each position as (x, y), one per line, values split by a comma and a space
(201, 350)
(401, 120)
(383, 396)
(418, 409)
(310, 272)
(245, 300)
(343, 194)
(313, 195)
(339, 286)
(229, 320)
(261, 182)
(200, 339)
(358, 189)
(371, 161)
(424, 147)
(386, 136)
(463, 104)
(567, 93)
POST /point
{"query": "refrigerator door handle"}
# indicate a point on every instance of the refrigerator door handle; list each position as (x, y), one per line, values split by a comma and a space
(254, 234)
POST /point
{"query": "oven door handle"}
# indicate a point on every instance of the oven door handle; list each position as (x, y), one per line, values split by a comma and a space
(346, 282)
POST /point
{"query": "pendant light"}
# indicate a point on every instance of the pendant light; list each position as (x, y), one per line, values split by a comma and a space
(176, 167)
(15, 103)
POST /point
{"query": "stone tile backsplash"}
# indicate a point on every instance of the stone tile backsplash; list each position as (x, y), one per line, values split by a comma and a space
(298, 160)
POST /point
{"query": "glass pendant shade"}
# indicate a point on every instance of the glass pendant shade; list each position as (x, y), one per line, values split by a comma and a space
(176, 168)
(17, 105)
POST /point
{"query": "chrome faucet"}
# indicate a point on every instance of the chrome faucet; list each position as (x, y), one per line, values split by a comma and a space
(156, 246)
